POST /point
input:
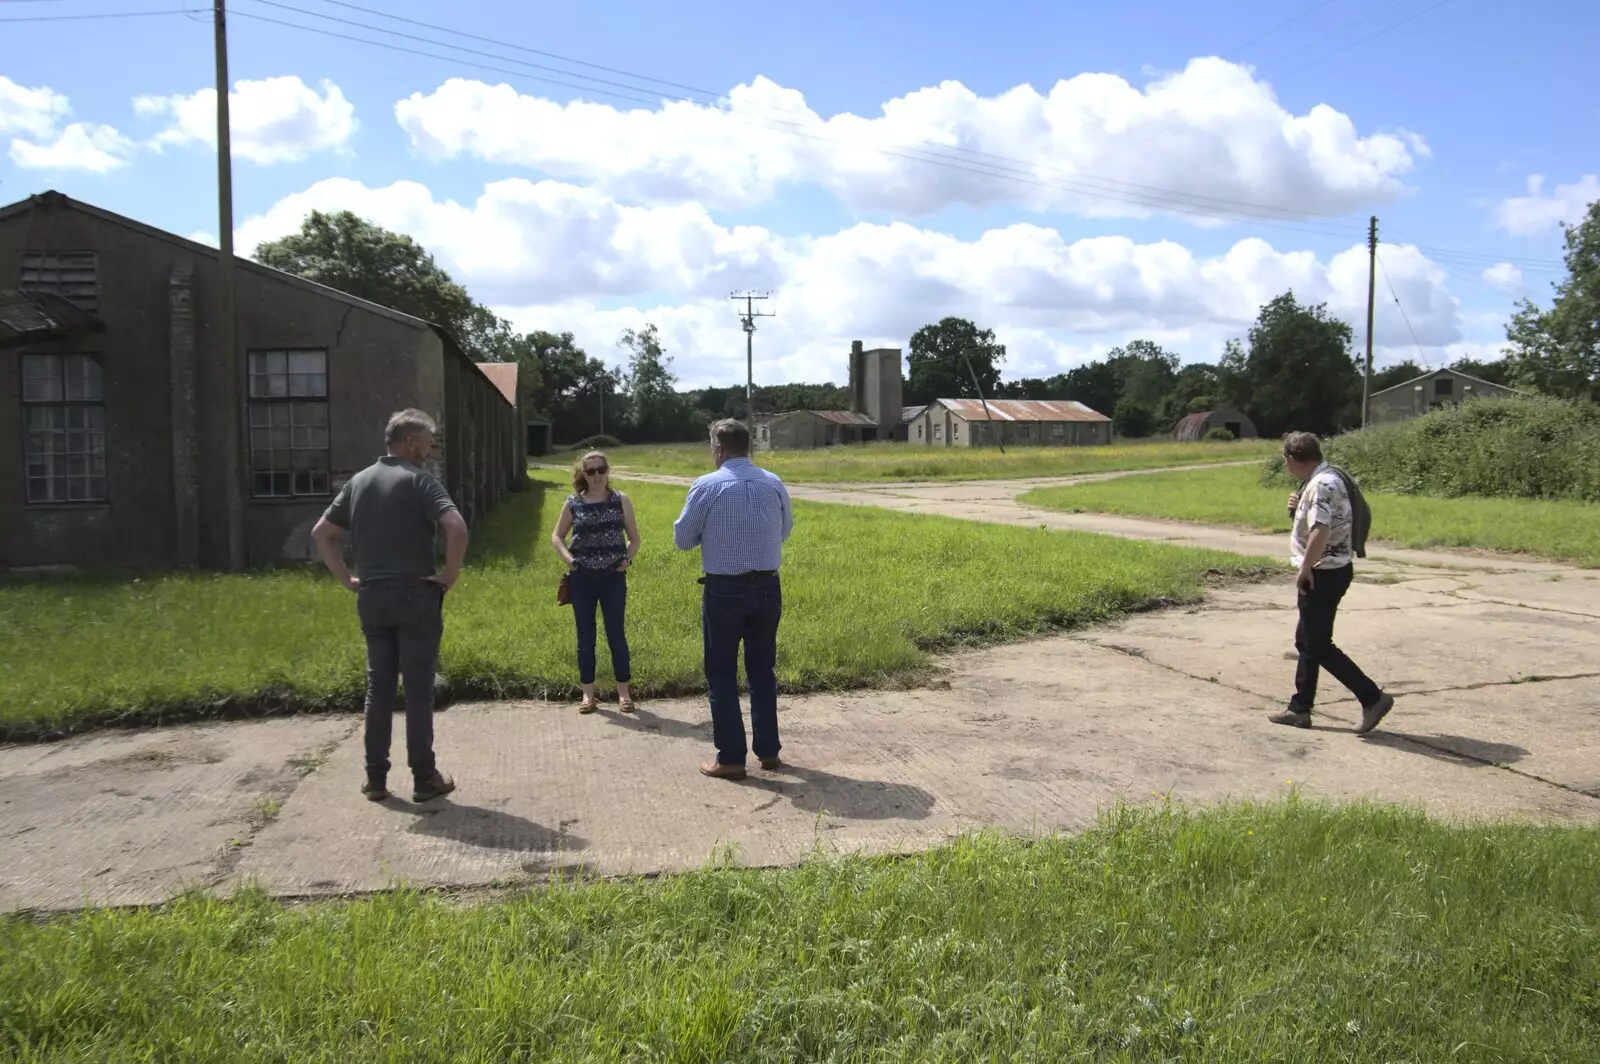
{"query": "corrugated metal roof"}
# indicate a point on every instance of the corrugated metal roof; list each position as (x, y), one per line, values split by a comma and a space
(1022, 410)
(29, 316)
(911, 413)
(504, 376)
(846, 417)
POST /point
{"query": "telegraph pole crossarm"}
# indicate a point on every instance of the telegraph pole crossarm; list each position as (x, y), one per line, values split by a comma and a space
(747, 321)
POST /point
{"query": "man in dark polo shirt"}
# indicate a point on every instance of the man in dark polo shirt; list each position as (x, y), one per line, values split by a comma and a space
(391, 510)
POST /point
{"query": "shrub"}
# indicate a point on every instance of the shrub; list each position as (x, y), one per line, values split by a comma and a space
(1219, 436)
(597, 443)
(1528, 448)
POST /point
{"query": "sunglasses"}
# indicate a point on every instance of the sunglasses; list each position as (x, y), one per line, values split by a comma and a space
(594, 471)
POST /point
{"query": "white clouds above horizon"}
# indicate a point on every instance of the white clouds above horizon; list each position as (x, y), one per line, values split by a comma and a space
(273, 120)
(1539, 211)
(553, 255)
(34, 118)
(1094, 145)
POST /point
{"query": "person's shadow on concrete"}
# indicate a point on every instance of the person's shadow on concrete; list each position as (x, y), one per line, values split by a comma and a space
(825, 793)
(490, 828)
(1452, 749)
(642, 720)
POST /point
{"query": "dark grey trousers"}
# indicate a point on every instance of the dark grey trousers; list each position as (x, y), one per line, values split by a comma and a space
(402, 621)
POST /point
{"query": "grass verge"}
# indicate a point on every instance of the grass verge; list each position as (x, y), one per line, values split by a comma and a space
(1556, 529)
(868, 595)
(1285, 932)
(872, 462)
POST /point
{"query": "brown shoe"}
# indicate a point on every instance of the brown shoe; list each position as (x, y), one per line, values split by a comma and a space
(436, 786)
(772, 764)
(718, 771)
(1294, 718)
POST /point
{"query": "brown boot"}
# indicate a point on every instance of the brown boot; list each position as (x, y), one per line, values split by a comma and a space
(718, 771)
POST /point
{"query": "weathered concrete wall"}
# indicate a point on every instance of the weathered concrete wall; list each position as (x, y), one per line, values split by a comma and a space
(1406, 401)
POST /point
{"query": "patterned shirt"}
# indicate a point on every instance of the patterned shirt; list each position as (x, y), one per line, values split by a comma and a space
(739, 517)
(1323, 502)
(599, 542)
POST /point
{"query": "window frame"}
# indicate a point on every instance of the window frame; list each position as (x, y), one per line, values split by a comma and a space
(1444, 386)
(96, 412)
(272, 410)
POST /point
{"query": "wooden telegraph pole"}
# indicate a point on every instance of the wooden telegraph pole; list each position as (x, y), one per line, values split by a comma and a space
(1372, 287)
(228, 340)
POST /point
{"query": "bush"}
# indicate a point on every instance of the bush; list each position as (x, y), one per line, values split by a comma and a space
(1219, 436)
(597, 443)
(1517, 448)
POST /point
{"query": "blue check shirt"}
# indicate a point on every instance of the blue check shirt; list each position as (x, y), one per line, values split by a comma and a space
(739, 517)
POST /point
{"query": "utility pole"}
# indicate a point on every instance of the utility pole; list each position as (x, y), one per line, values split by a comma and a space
(228, 338)
(748, 321)
(1372, 288)
(984, 402)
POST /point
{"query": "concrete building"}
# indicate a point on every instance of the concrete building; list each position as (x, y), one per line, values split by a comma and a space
(875, 412)
(116, 414)
(1195, 426)
(1024, 422)
(1431, 391)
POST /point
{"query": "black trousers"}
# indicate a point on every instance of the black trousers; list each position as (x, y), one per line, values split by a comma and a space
(1313, 638)
(402, 621)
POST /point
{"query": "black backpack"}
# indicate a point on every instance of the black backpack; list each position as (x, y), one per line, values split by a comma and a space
(1360, 513)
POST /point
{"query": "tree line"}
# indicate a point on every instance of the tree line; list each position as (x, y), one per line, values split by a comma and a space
(1294, 369)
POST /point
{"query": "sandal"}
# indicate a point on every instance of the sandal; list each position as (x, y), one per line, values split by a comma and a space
(588, 705)
(626, 705)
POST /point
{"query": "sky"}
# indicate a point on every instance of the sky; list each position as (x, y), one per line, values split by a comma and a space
(1070, 175)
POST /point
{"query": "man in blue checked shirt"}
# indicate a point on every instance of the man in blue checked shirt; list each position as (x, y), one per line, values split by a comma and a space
(739, 517)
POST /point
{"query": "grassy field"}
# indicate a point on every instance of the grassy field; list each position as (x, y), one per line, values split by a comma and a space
(1281, 933)
(97, 649)
(1564, 531)
(903, 461)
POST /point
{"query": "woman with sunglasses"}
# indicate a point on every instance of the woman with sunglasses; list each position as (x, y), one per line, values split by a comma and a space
(605, 538)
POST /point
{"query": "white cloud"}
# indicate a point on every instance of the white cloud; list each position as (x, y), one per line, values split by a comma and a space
(1539, 212)
(557, 256)
(32, 112)
(275, 120)
(1094, 144)
(33, 118)
(1504, 276)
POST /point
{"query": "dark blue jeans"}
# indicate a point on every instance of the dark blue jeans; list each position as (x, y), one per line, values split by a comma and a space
(402, 621)
(607, 589)
(1313, 638)
(735, 609)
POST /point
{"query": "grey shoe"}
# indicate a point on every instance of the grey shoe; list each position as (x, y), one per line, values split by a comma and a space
(437, 786)
(1371, 715)
(1294, 718)
(374, 792)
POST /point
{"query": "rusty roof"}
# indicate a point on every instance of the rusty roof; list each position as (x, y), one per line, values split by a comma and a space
(911, 413)
(26, 317)
(838, 417)
(504, 376)
(1022, 410)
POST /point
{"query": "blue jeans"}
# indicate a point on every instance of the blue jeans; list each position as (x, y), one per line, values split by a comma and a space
(402, 621)
(607, 589)
(735, 609)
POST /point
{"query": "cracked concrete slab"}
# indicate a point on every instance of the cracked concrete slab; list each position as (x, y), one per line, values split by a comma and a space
(1034, 737)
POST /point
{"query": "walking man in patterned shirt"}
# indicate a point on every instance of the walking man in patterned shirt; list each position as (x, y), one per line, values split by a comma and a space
(739, 517)
(1320, 547)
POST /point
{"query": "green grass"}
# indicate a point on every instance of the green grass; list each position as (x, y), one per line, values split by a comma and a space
(868, 595)
(1557, 529)
(866, 463)
(1291, 932)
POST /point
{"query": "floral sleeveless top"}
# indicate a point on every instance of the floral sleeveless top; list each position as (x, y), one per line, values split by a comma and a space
(599, 540)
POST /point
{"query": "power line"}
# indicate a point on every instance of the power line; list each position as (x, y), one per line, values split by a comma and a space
(98, 16)
(1403, 315)
(1169, 201)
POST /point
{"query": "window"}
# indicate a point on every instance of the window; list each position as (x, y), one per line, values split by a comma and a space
(1444, 386)
(73, 275)
(288, 423)
(938, 430)
(64, 428)
(919, 431)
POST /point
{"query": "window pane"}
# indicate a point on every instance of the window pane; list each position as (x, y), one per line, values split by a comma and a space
(274, 362)
(308, 362)
(41, 379)
(311, 413)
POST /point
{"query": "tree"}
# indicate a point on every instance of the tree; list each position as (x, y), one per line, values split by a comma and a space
(1133, 418)
(654, 406)
(1097, 385)
(939, 356)
(1557, 351)
(1298, 373)
(1195, 389)
(351, 254)
(1500, 371)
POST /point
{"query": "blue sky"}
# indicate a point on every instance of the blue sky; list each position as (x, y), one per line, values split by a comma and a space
(603, 221)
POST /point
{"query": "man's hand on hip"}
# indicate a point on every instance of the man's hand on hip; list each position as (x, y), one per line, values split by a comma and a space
(445, 579)
(352, 583)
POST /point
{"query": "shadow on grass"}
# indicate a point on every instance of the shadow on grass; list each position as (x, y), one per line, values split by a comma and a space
(489, 829)
(1452, 749)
